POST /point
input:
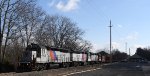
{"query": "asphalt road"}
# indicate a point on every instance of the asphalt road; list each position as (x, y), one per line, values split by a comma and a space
(116, 69)
(113, 69)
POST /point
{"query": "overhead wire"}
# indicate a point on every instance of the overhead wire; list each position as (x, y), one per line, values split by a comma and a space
(95, 9)
(107, 18)
(99, 12)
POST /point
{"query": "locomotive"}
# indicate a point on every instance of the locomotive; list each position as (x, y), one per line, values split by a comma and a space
(37, 57)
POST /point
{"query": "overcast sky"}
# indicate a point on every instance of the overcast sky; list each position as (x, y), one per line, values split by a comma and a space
(130, 20)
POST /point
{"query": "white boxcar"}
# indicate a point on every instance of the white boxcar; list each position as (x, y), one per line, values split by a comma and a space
(59, 56)
(94, 57)
(89, 56)
(65, 57)
(77, 56)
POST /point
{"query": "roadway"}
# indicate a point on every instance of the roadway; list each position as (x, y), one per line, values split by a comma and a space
(113, 69)
(117, 69)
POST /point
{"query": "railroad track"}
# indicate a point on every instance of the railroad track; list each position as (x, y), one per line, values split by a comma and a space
(54, 72)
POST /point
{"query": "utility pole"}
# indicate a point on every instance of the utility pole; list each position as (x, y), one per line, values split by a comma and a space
(110, 42)
(129, 51)
(126, 47)
(0, 43)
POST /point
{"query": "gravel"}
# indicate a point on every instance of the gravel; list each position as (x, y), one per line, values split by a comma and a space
(53, 72)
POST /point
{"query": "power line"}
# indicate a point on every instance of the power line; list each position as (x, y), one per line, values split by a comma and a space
(95, 10)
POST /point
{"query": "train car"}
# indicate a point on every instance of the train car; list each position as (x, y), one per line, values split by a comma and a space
(84, 58)
(59, 56)
(37, 57)
(105, 59)
(93, 58)
(79, 58)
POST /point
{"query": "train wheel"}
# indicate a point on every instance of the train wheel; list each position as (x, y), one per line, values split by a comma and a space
(44, 66)
(47, 66)
(75, 64)
(67, 65)
(64, 65)
(71, 64)
(19, 69)
(85, 63)
(37, 67)
(61, 65)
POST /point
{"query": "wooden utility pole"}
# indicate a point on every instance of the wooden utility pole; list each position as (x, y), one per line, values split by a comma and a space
(110, 42)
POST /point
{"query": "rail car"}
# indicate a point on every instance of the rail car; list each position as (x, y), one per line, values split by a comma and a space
(37, 57)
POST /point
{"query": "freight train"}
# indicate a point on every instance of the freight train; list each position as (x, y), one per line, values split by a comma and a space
(37, 57)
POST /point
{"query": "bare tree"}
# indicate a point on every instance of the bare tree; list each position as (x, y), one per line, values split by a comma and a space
(18, 20)
(59, 31)
(7, 18)
(84, 45)
(30, 17)
(42, 35)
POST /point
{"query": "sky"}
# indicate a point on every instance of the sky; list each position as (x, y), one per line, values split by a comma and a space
(130, 20)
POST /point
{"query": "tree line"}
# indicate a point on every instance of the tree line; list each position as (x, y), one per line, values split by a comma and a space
(143, 52)
(116, 54)
(23, 22)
